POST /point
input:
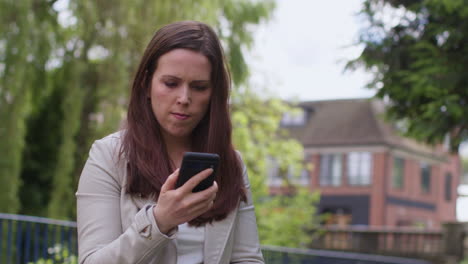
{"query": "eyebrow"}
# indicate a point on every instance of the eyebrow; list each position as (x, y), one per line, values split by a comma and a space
(170, 76)
(177, 78)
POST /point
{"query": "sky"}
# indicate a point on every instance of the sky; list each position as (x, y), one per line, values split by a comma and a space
(301, 52)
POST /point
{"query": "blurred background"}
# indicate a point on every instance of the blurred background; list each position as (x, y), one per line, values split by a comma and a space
(312, 43)
(351, 115)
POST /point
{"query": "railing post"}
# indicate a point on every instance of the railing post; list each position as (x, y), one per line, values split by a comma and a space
(465, 241)
(453, 241)
(37, 229)
(1, 238)
(368, 242)
(9, 242)
(285, 258)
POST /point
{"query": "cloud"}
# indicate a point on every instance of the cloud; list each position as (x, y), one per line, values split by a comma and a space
(302, 51)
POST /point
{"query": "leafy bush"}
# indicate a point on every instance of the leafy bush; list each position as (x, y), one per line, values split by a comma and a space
(59, 255)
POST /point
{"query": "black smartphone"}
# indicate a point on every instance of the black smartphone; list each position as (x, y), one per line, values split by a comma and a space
(195, 162)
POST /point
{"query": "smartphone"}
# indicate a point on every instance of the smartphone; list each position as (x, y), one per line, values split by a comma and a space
(195, 162)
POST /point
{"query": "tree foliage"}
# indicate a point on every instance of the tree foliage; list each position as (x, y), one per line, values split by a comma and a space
(24, 53)
(283, 220)
(288, 221)
(416, 51)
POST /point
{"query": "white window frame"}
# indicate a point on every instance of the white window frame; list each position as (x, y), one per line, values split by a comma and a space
(331, 169)
(359, 168)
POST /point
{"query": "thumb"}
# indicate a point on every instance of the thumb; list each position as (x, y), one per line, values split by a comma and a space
(170, 182)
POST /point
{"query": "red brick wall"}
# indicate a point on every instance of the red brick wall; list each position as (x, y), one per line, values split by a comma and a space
(377, 210)
(411, 216)
(315, 173)
(447, 209)
(385, 214)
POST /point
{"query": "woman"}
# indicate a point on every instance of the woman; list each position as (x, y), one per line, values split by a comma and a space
(129, 210)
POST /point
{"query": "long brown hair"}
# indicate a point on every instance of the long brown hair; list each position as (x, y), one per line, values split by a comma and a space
(148, 162)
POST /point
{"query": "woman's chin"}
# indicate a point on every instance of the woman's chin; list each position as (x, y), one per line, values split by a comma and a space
(179, 134)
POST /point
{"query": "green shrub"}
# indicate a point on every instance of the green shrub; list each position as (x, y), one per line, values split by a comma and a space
(60, 255)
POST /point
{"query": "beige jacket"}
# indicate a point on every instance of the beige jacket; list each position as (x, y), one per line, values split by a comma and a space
(114, 227)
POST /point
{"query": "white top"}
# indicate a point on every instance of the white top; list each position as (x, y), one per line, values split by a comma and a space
(190, 244)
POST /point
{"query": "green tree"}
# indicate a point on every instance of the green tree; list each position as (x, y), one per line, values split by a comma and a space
(416, 51)
(289, 221)
(283, 220)
(24, 56)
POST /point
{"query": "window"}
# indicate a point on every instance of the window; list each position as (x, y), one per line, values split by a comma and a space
(294, 118)
(330, 169)
(425, 177)
(359, 168)
(276, 177)
(306, 170)
(303, 178)
(398, 173)
(298, 177)
(448, 186)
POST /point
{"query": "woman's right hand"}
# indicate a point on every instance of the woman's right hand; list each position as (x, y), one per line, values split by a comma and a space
(177, 206)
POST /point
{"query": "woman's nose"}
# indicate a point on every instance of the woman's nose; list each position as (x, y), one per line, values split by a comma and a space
(184, 95)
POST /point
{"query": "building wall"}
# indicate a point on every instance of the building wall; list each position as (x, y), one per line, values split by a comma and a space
(353, 198)
(447, 208)
(378, 186)
(389, 206)
(401, 216)
(411, 204)
(410, 199)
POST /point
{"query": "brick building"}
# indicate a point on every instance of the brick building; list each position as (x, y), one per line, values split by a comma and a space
(368, 174)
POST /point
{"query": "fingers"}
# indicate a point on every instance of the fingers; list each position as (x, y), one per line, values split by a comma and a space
(215, 186)
(170, 182)
(205, 197)
(195, 180)
(201, 206)
(214, 189)
(200, 209)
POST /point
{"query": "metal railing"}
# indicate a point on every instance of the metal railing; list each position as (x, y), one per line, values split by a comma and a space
(277, 255)
(29, 239)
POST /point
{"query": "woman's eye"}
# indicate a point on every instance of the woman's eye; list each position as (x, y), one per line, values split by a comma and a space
(170, 84)
(200, 87)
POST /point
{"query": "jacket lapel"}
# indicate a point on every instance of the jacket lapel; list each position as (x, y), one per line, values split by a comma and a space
(217, 235)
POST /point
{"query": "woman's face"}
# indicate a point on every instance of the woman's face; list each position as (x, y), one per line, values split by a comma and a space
(180, 91)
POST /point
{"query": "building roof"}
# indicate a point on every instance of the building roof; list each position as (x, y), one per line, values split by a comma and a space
(351, 122)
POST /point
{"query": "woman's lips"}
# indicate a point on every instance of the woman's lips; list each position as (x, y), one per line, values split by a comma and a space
(181, 116)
